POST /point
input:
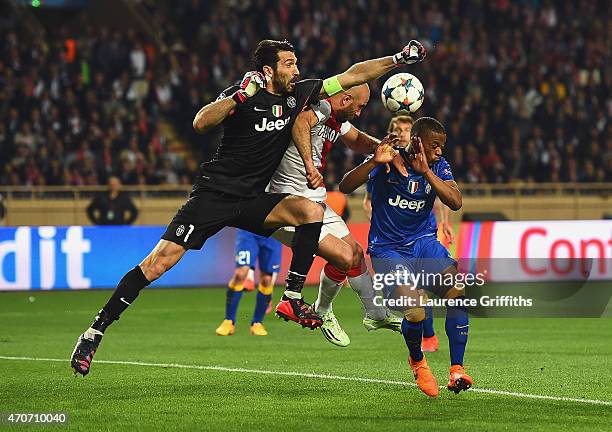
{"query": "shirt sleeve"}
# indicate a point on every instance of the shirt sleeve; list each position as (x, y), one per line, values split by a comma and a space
(345, 127)
(227, 92)
(370, 185)
(444, 170)
(322, 110)
(308, 91)
(372, 175)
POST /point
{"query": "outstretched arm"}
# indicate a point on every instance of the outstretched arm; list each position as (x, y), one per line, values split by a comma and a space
(368, 70)
(365, 71)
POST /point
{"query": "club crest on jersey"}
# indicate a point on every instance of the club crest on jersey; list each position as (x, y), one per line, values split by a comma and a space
(427, 188)
(277, 110)
(291, 102)
(180, 230)
(413, 186)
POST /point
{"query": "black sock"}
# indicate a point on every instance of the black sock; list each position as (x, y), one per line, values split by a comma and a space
(304, 247)
(126, 292)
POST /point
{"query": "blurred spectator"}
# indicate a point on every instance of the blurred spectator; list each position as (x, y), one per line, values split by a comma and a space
(113, 207)
(523, 87)
(72, 111)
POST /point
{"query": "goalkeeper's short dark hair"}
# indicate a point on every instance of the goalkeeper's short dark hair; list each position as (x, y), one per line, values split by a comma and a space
(266, 53)
(425, 125)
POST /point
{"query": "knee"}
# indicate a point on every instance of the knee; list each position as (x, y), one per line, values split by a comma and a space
(240, 275)
(415, 315)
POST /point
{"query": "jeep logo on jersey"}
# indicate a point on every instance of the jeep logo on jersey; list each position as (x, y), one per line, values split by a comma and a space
(266, 125)
(277, 110)
(413, 186)
(405, 204)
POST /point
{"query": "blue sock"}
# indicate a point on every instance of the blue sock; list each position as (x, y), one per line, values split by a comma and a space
(457, 325)
(413, 333)
(231, 304)
(428, 328)
(261, 304)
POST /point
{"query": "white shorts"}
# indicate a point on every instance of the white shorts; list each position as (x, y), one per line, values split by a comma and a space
(332, 224)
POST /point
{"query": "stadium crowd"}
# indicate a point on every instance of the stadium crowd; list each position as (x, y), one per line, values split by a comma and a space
(523, 87)
(81, 108)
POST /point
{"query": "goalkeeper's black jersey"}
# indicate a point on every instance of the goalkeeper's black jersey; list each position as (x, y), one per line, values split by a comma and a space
(255, 138)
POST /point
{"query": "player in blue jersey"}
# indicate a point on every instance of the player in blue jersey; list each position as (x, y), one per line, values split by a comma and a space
(249, 249)
(402, 240)
(401, 125)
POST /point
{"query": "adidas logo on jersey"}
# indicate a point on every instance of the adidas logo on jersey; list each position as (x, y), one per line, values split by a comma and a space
(416, 205)
(266, 125)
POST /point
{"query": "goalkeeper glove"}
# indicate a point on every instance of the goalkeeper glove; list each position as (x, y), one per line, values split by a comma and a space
(251, 83)
(414, 52)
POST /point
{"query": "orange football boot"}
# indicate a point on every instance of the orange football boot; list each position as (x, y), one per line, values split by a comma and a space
(459, 380)
(424, 378)
(430, 344)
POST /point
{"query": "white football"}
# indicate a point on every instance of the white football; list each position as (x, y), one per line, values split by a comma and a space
(402, 93)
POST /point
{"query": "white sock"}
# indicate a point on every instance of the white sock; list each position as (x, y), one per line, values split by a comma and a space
(362, 285)
(328, 290)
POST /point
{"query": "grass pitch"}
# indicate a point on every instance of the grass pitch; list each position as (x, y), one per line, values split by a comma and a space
(560, 358)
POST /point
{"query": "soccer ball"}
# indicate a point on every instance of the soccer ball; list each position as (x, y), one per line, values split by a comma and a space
(402, 93)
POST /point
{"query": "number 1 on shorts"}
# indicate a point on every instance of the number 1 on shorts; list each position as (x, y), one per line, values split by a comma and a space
(191, 227)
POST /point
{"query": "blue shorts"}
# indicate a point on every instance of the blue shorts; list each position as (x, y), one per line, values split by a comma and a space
(252, 247)
(425, 256)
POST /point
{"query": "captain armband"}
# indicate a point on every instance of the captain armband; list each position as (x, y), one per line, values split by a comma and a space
(332, 86)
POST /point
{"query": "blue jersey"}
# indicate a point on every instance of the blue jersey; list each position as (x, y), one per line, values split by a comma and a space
(402, 206)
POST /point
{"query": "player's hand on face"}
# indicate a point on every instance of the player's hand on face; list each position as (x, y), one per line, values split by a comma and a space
(314, 177)
(384, 152)
(416, 156)
(412, 53)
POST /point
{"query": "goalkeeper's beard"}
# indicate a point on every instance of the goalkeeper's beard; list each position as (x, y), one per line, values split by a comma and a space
(281, 87)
